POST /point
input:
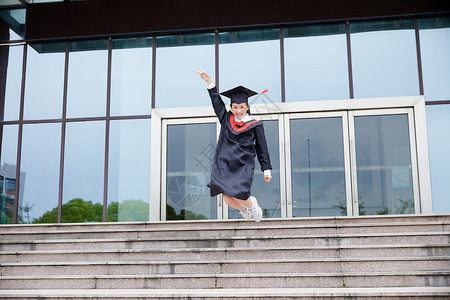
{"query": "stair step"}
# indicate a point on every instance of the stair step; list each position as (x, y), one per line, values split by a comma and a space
(258, 280)
(143, 231)
(227, 266)
(371, 220)
(412, 293)
(378, 252)
(231, 241)
(298, 252)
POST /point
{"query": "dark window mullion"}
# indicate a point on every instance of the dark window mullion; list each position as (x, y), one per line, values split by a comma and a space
(19, 138)
(349, 60)
(108, 112)
(283, 80)
(216, 57)
(419, 58)
(153, 70)
(63, 133)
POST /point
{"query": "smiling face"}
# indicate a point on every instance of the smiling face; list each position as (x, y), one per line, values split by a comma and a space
(239, 110)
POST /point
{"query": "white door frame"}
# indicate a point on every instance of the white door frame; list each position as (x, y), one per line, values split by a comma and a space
(416, 103)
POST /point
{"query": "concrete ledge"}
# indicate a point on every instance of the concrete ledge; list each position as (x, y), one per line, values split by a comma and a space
(267, 293)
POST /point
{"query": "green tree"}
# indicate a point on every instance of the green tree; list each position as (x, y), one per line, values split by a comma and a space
(112, 213)
(184, 214)
(6, 211)
(75, 211)
(78, 210)
(132, 210)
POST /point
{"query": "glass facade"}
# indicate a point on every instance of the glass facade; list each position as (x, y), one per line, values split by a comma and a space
(44, 81)
(384, 59)
(251, 58)
(316, 62)
(176, 59)
(84, 108)
(83, 172)
(439, 147)
(8, 169)
(41, 176)
(131, 76)
(129, 170)
(434, 50)
(11, 80)
(87, 78)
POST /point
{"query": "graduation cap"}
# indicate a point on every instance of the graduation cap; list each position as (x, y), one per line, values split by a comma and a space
(239, 94)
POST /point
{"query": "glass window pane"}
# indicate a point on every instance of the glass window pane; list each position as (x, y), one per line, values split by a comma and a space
(384, 59)
(316, 64)
(438, 125)
(131, 76)
(8, 165)
(129, 171)
(11, 60)
(435, 54)
(83, 172)
(177, 57)
(268, 195)
(317, 166)
(251, 58)
(88, 67)
(44, 81)
(40, 167)
(383, 159)
(190, 150)
(14, 19)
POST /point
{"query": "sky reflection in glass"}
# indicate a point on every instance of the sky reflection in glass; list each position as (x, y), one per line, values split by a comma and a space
(40, 168)
(384, 59)
(316, 63)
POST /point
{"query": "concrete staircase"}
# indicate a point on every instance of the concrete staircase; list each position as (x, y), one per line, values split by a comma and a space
(371, 257)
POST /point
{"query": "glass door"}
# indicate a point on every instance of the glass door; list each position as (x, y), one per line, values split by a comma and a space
(188, 150)
(342, 163)
(384, 162)
(318, 165)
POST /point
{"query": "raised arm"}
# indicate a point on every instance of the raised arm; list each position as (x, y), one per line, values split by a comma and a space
(216, 100)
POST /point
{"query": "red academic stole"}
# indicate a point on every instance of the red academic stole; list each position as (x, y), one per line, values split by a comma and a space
(245, 126)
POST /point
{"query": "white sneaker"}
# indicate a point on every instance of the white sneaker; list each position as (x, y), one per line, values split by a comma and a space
(245, 212)
(255, 210)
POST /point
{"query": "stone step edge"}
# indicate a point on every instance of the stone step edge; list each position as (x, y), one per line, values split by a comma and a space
(197, 222)
(246, 275)
(224, 261)
(237, 228)
(223, 249)
(165, 239)
(229, 293)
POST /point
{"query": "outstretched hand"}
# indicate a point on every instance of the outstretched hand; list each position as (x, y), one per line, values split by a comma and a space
(205, 76)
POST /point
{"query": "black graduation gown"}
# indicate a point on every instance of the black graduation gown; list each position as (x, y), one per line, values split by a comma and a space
(234, 160)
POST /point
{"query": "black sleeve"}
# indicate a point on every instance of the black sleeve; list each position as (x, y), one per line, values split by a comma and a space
(218, 105)
(261, 149)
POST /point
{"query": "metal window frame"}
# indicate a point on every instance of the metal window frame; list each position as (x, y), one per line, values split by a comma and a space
(163, 175)
(346, 151)
(409, 111)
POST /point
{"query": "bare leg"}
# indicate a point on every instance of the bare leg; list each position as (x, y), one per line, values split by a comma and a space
(231, 202)
(237, 203)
